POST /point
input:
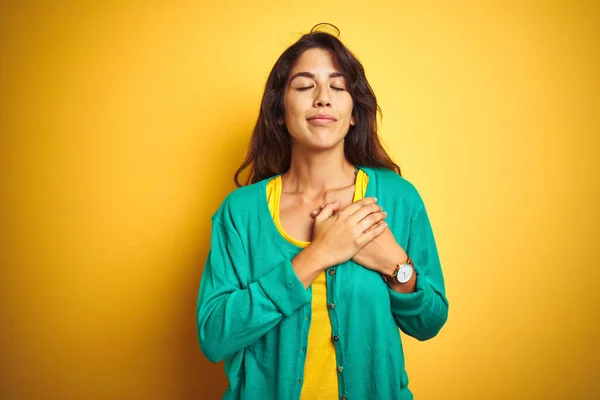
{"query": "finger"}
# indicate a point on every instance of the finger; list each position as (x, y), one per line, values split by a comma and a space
(314, 213)
(372, 227)
(370, 220)
(336, 206)
(352, 208)
(377, 230)
(327, 211)
(331, 202)
(363, 212)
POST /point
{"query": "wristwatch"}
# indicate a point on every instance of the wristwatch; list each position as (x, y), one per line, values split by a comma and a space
(402, 274)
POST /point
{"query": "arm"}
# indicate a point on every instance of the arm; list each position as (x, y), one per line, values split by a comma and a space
(422, 314)
(230, 317)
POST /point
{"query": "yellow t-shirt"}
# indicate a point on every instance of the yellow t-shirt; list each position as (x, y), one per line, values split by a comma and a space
(320, 375)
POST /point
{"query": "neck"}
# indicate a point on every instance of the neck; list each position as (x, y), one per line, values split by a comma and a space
(318, 171)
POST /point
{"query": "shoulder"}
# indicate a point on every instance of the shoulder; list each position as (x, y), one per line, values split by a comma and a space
(241, 204)
(389, 185)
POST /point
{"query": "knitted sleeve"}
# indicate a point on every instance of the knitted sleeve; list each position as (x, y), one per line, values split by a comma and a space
(423, 313)
(231, 316)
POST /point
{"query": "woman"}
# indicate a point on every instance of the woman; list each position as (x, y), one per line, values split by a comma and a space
(316, 263)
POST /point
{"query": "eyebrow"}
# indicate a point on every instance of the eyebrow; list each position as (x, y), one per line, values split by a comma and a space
(312, 76)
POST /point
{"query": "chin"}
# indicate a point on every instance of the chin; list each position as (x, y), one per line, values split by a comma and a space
(320, 141)
(321, 145)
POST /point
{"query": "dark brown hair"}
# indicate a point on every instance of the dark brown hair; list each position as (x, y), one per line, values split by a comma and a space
(270, 147)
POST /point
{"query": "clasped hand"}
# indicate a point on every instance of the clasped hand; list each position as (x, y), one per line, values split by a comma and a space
(358, 232)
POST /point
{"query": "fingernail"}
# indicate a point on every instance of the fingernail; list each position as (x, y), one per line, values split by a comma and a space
(375, 198)
(385, 214)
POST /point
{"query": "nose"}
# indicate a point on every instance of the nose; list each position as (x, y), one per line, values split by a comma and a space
(322, 98)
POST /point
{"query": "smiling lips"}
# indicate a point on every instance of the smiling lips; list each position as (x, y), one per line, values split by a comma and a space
(321, 119)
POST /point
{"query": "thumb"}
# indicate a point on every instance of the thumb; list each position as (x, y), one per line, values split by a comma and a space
(316, 212)
(328, 211)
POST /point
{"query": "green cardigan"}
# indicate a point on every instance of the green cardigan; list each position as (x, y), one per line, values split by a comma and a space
(254, 313)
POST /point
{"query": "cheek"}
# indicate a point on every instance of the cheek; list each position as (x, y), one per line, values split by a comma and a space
(349, 104)
(293, 109)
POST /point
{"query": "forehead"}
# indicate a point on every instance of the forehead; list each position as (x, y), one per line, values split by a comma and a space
(316, 61)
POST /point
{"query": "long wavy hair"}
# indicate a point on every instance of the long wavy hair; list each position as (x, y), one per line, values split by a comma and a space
(270, 149)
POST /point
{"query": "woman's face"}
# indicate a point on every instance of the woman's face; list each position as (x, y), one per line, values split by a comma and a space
(318, 107)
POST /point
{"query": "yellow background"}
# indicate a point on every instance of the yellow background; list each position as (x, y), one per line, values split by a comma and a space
(122, 124)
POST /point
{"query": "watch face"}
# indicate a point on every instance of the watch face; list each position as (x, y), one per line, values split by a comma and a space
(404, 273)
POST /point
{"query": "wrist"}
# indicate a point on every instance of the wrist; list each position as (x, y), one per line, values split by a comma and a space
(403, 272)
(315, 257)
(392, 263)
(307, 267)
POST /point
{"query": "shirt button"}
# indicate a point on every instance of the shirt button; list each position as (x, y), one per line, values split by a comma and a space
(331, 306)
(299, 380)
(336, 338)
(289, 285)
(343, 398)
(304, 349)
(307, 317)
(340, 368)
(332, 271)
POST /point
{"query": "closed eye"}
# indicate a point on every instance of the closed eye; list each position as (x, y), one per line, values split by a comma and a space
(310, 87)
